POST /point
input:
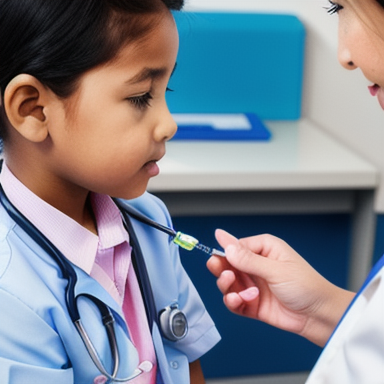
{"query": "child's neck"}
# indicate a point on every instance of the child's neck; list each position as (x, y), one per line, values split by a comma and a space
(77, 207)
(90, 220)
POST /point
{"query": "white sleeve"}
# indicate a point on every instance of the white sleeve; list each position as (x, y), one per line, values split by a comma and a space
(355, 353)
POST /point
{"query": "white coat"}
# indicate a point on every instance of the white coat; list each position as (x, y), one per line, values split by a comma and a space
(355, 352)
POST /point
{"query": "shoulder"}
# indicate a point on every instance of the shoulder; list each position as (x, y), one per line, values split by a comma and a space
(26, 272)
(6, 226)
(6, 223)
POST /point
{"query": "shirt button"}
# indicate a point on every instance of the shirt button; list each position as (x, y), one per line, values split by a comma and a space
(174, 364)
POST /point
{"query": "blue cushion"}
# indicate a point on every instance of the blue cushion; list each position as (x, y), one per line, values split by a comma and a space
(239, 63)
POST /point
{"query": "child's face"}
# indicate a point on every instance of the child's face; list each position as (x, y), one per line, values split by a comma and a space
(114, 130)
(361, 41)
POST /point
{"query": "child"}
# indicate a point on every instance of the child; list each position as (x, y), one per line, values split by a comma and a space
(263, 278)
(84, 117)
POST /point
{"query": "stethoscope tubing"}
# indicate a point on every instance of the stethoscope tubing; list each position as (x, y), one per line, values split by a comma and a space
(124, 207)
(138, 260)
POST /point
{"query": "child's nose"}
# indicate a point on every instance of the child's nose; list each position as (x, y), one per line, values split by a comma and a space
(167, 126)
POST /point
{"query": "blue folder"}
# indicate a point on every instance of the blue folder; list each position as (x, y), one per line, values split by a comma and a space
(234, 127)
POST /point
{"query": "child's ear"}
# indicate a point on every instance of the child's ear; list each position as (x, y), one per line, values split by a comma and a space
(25, 99)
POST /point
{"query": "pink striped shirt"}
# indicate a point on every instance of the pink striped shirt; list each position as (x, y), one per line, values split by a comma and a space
(106, 256)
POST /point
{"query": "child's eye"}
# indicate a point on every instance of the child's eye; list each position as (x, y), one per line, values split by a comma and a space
(142, 101)
(333, 8)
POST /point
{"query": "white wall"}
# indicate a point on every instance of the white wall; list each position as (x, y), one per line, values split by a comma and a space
(335, 98)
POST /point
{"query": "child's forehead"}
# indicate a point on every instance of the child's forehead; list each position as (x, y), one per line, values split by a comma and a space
(155, 42)
(140, 43)
(149, 58)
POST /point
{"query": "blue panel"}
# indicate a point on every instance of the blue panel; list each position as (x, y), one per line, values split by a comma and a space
(239, 63)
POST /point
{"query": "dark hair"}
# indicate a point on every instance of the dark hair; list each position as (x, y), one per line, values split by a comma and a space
(381, 2)
(56, 41)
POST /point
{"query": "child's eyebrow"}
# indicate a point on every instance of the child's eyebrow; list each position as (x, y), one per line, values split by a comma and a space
(149, 73)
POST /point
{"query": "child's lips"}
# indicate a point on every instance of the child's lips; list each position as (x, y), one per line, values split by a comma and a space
(152, 168)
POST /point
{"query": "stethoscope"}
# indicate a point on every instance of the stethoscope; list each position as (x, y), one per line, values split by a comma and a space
(171, 320)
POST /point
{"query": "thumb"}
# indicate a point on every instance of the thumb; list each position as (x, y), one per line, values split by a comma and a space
(250, 263)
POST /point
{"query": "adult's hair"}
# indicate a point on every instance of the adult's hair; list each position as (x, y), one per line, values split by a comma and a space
(381, 2)
(56, 41)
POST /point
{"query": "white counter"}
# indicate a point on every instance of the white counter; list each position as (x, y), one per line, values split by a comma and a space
(299, 156)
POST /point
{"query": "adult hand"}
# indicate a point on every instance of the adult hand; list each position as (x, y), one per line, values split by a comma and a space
(263, 278)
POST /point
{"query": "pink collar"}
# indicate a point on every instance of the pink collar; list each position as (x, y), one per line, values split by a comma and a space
(78, 244)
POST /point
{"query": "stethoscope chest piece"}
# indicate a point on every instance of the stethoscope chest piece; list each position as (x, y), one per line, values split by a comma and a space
(173, 323)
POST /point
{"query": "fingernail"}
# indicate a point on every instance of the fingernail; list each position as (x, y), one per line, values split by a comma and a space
(249, 294)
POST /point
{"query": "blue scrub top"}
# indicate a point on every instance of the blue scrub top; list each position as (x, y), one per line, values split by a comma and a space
(39, 343)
